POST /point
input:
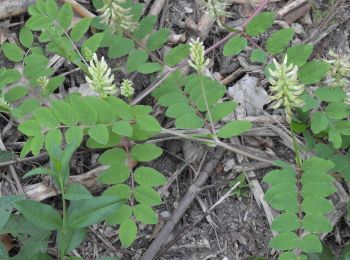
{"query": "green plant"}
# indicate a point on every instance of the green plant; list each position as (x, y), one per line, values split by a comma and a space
(83, 210)
(300, 193)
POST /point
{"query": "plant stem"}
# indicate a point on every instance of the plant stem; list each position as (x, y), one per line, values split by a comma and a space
(207, 107)
(217, 142)
(64, 222)
(296, 149)
(299, 175)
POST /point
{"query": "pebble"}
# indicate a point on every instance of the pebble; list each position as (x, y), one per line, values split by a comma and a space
(188, 10)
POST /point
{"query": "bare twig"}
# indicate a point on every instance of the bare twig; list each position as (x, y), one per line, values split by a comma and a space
(157, 7)
(290, 6)
(183, 206)
(79, 9)
(12, 170)
(42, 190)
(27, 159)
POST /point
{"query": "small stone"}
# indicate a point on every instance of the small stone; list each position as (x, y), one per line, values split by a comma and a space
(298, 28)
(188, 10)
(165, 214)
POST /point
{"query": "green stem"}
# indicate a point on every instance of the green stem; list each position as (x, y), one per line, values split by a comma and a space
(64, 217)
(296, 149)
(207, 107)
(299, 175)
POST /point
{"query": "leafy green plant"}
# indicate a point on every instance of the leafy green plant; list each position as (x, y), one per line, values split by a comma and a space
(301, 197)
(83, 210)
(300, 193)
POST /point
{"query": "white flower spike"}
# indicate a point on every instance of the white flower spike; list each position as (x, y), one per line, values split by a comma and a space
(127, 88)
(198, 61)
(216, 8)
(100, 79)
(286, 87)
(339, 74)
(117, 17)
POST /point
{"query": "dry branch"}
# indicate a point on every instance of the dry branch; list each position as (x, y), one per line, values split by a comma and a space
(157, 7)
(43, 190)
(291, 6)
(79, 9)
(183, 206)
(10, 8)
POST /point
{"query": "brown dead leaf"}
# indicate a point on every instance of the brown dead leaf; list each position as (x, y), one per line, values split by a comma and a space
(7, 240)
(6, 34)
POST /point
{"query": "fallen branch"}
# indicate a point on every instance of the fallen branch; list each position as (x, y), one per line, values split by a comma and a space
(10, 8)
(43, 190)
(79, 9)
(183, 206)
(291, 6)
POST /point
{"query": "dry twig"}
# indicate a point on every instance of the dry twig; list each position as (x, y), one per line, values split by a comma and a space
(183, 206)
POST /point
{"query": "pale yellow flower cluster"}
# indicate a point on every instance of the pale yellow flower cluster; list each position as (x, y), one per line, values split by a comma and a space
(117, 17)
(197, 61)
(127, 88)
(286, 87)
(101, 79)
(339, 74)
(216, 8)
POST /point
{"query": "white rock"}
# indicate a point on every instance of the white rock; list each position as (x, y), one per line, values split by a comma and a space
(250, 96)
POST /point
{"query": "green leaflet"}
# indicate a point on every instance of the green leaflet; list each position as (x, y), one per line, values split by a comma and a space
(99, 133)
(41, 215)
(157, 39)
(258, 56)
(147, 195)
(234, 128)
(136, 58)
(86, 212)
(279, 40)
(260, 23)
(146, 25)
(315, 187)
(313, 71)
(299, 54)
(234, 46)
(113, 156)
(65, 16)
(149, 177)
(145, 152)
(15, 93)
(12, 52)
(177, 54)
(115, 174)
(145, 214)
(120, 47)
(26, 37)
(80, 29)
(127, 233)
(149, 67)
